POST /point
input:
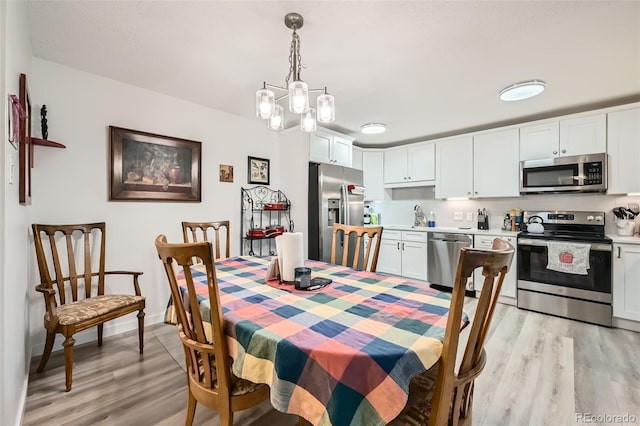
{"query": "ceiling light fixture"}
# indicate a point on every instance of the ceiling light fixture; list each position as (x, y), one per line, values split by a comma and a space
(373, 128)
(522, 90)
(267, 107)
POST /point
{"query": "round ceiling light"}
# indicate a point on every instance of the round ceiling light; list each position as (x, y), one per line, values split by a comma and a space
(373, 128)
(522, 90)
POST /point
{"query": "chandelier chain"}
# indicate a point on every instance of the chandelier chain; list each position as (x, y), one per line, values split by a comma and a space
(294, 51)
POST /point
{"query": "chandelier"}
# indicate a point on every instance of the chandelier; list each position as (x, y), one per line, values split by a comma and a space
(267, 106)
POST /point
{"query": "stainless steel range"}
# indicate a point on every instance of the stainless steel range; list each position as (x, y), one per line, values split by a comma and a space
(566, 269)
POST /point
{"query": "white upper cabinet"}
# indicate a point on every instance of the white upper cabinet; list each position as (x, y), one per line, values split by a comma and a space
(330, 147)
(454, 167)
(356, 158)
(559, 138)
(412, 165)
(623, 149)
(495, 164)
(372, 169)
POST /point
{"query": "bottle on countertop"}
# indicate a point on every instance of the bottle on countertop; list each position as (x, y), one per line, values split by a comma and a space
(367, 216)
(431, 221)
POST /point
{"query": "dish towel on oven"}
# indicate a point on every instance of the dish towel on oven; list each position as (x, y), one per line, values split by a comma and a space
(571, 258)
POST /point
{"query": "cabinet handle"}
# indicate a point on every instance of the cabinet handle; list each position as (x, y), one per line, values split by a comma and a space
(405, 178)
(618, 252)
(409, 177)
(555, 152)
(564, 151)
(476, 192)
(398, 245)
(402, 246)
(469, 193)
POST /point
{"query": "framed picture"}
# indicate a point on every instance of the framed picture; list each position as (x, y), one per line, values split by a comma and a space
(149, 167)
(226, 173)
(258, 169)
(25, 149)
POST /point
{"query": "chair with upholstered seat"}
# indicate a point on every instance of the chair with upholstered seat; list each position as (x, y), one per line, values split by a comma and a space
(441, 396)
(209, 377)
(74, 286)
(374, 234)
(193, 232)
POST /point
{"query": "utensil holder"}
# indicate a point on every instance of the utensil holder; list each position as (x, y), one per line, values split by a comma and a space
(625, 227)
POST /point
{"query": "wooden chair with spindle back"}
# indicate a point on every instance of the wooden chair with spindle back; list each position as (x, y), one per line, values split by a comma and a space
(74, 293)
(371, 231)
(209, 377)
(440, 396)
(193, 232)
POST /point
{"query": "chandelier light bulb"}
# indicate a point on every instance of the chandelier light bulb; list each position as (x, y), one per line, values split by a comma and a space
(276, 121)
(308, 121)
(298, 97)
(326, 108)
(265, 103)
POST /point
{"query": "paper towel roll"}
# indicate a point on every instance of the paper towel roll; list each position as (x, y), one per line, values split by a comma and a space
(290, 250)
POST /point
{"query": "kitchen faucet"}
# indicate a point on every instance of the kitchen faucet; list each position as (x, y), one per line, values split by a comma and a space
(419, 215)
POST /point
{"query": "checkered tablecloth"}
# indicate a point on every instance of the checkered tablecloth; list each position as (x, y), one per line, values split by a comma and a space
(342, 355)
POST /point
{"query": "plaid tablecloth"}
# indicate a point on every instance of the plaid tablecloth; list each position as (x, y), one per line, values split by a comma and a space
(342, 355)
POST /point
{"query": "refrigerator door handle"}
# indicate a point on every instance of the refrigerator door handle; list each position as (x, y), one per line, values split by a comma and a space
(347, 220)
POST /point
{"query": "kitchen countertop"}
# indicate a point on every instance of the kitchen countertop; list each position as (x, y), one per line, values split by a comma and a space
(626, 240)
(470, 231)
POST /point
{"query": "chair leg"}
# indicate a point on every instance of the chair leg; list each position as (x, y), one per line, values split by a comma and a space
(51, 337)
(226, 417)
(68, 360)
(141, 330)
(191, 408)
(100, 327)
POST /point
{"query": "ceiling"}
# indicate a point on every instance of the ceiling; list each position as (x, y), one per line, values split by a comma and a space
(425, 68)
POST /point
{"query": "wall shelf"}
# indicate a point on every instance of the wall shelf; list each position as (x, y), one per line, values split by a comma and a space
(45, 142)
(262, 208)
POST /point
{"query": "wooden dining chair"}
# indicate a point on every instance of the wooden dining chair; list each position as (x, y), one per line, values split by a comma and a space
(73, 286)
(440, 396)
(359, 231)
(209, 377)
(207, 231)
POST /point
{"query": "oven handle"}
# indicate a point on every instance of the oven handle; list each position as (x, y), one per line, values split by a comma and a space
(543, 243)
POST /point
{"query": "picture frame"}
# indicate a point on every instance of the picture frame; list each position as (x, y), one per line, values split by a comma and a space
(25, 148)
(226, 173)
(150, 167)
(258, 171)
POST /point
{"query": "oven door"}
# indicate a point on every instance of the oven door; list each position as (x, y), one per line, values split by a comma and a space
(533, 273)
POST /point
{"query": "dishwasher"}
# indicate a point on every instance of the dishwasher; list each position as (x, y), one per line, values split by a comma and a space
(443, 253)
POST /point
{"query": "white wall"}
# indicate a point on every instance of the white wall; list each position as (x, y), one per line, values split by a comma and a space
(71, 185)
(14, 247)
(397, 208)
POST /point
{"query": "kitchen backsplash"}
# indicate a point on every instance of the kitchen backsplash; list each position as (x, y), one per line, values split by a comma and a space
(397, 208)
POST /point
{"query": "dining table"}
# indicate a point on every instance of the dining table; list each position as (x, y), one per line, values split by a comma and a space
(343, 354)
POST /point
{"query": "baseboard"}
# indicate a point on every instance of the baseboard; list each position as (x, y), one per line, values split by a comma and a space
(23, 401)
(111, 328)
(626, 324)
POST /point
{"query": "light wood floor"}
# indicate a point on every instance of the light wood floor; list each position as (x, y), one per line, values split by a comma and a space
(541, 370)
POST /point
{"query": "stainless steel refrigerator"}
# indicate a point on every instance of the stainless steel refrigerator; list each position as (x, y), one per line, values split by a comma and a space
(335, 196)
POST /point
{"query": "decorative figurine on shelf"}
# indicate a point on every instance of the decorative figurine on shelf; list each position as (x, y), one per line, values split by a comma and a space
(43, 122)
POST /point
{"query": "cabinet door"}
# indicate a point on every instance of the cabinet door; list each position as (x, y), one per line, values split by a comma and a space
(341, 150)
(320, 148)
(454, 168)
(372, 170)
(539, 141)
(495, 164)
(421, 162)
(623, 150)
(389, 257)
(584, 135)
(395, 165)
(356, 158)
(509, 283)
(414, 260)
(626, 281)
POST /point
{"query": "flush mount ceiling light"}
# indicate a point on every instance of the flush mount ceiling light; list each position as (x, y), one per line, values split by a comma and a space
(373, 128)
(522, 90)
(296, 90)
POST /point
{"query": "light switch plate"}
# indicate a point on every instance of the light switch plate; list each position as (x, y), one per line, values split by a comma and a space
(12, 167)
(457, 215)
(469, 216)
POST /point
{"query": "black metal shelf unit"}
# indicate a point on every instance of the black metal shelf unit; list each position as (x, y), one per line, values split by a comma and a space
(264, 214)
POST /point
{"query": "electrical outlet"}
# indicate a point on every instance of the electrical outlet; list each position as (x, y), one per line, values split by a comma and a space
(469, 216)
(457, 215)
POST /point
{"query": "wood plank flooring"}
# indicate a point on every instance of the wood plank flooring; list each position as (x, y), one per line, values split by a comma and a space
(541, 370)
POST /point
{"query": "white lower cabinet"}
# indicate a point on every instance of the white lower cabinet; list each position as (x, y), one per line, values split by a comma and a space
(403, 253)
(508, 291)
(626, 281)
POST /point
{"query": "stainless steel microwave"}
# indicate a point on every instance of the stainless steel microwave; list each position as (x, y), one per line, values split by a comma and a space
(579, 173)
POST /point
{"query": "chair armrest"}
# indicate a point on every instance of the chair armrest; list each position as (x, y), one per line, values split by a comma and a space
(50, 302)
(134, 275)
(45, 290)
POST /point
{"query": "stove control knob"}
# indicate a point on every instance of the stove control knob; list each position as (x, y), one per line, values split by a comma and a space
(599, 218)
(590, 218)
